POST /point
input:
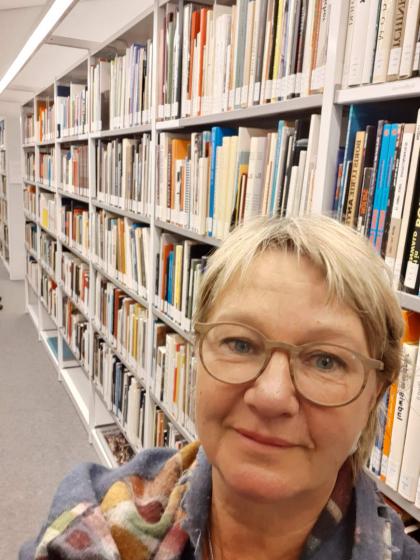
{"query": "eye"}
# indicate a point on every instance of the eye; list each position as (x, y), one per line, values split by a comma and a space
(325, 362)
(238, 345)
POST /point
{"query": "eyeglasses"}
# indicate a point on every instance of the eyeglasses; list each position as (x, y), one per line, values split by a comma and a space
(325, 374)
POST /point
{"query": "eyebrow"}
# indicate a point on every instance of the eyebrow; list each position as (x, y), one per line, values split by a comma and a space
(321, 333)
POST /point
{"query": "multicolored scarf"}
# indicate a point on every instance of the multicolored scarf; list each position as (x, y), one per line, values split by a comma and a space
(140, 518)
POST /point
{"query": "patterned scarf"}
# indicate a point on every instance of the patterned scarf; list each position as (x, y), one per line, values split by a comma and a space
(140, 518)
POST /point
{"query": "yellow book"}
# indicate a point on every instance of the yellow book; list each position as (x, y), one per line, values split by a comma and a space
(277, 48)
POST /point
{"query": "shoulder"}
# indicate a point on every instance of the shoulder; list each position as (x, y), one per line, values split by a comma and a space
(378, 526)
(87, 485)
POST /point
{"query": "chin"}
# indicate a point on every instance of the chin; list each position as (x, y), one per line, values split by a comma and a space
(262, 484)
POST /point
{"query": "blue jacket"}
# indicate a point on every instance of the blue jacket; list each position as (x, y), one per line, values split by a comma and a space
(374, 529)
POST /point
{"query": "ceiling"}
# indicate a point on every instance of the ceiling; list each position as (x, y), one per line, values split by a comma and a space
(89, 24)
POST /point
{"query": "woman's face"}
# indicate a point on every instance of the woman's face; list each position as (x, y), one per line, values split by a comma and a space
(265, 441)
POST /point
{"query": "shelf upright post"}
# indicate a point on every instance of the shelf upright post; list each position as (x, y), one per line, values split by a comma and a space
(331, 114)
(91, 303)
(22, 183)
(157, 22)
(38, 240)
(57, 175)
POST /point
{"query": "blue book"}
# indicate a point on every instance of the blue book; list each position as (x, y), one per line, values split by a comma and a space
(387, 180)
(171, 258)
(380, 183)
(276, 168)
(217, 135)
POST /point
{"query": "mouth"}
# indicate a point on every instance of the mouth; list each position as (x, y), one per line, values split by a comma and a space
(265, 440)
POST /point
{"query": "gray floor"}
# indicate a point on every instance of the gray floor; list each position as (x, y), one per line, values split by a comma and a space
(41, 435)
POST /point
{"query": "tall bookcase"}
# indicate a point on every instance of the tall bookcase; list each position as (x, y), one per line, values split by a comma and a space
(11, 205)
(48, 202)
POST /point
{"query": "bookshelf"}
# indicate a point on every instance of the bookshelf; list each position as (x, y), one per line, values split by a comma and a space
(11, 209)
(77, 209)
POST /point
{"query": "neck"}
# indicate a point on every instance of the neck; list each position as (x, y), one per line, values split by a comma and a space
(243, 528)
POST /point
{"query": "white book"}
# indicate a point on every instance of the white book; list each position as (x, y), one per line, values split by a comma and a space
(410, 468)
(410, 37)
(371, 34)
(230, 187)
(383, 41)
(349, 43)
(407, 205)
(358, 47)
(255, 177)
(248, 52)
(222, 38)
(292, 191)
(310, 163)
(399, 427)
(399, 195)
(397, 40)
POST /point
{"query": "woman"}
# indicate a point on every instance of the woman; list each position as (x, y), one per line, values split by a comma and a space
(297, 335)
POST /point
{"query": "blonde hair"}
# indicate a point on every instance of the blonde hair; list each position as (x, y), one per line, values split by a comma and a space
(355, 276)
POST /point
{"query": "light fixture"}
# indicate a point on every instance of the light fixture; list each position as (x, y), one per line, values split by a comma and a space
(44, 28)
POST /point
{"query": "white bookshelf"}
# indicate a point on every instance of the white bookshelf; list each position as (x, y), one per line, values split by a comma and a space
(12, 251)
(330, 105)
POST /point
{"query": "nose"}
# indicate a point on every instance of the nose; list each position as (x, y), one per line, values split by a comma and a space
(273, 393)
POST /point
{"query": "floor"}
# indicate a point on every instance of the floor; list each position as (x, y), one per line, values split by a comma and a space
(41, 435)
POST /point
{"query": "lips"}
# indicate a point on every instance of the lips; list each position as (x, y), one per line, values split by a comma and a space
(265, 440)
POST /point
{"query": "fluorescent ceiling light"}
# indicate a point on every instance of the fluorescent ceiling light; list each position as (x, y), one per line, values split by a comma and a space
(44, 28)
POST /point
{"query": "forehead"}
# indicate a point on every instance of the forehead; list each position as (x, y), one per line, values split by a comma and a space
(287, 297)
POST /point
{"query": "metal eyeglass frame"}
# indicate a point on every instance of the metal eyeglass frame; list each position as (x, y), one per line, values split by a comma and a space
(292, 351)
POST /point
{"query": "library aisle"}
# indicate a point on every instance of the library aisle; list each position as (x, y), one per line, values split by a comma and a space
(41, 436)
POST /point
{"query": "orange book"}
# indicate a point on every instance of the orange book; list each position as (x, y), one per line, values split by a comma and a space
(195, 28)
(179, 151)
(411, 334)
(203, 40)
(41, 108)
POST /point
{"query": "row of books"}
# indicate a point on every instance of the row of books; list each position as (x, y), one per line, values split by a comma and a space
(213, 180)
(2, 161)
(2, 133)
(47, 210)
(72, 105)
(28, 131)
(29, 199)
(32, 272)
(31, 236)
(45, 120)
(46, 167)
(121, 247)
(123, 173)
(123, 320)
(75, 169)
(174, 379)
(180, 266)
(122, 89)
(396, 455)
(165, 434)
(75, 225)
(382, 41)
(29, 166)
(378, 190)
(48, 252)
(48, 295)
(75, 277)
(76, 331)
(120, 389)
(220, 58)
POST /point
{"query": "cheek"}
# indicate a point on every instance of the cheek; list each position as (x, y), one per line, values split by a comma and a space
(336, 431)
(214, 402)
